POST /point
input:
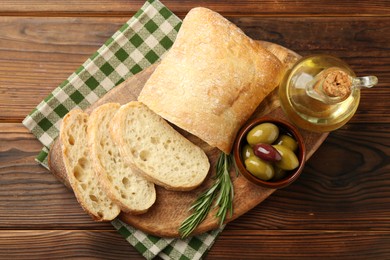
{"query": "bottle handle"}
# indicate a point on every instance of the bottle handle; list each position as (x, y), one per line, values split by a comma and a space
(364, 82)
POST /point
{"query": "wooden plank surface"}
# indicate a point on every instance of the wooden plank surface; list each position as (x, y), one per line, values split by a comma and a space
(301, 244)
(75, 244)
(340, 206)
(34, 47)
(229, 7)
(329, 193)
(65, 244)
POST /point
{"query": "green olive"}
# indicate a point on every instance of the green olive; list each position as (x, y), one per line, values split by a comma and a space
(289, 159)
(247, 152)
(259, 168)
(278, 174)
(288, 142)
(263, 133)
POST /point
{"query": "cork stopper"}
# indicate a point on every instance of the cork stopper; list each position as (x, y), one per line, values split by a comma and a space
(333, 85)
(337, 83)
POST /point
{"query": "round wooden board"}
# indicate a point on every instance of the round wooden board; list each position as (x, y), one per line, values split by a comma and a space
(171, 207)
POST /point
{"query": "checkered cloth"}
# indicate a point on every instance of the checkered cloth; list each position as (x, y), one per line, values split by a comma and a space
(135, 46)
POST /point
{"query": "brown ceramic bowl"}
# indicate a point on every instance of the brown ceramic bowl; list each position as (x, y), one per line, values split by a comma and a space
(284, 127)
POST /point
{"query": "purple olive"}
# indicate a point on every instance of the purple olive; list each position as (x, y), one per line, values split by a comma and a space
(267, 152)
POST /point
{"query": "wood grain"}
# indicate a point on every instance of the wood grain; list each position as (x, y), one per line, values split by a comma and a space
(65, 244)
(358, 188)
(39, 53)
(230, 7)
(339, 207)
(301, 244)
(54, 244)
(338, 188)
(30, 197)
(330, 193)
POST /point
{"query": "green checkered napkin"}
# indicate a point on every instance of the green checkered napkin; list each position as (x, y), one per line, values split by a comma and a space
(135, 46)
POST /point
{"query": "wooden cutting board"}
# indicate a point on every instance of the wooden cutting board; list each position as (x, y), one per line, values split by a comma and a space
(171, 207)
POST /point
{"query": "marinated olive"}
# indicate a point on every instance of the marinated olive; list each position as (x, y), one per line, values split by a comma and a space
(278, 174)
(289, 160)
(247, 152)
(288, 142)
(263, 133)
(267, 152)
(259, 168)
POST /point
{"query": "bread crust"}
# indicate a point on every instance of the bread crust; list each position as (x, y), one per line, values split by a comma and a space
(118, 132)
(212, 79)
(65, 149)
(94, 129)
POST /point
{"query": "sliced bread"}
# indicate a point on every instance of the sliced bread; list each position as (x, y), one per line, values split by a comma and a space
(80, 173)
(130, 191)
(157, 151)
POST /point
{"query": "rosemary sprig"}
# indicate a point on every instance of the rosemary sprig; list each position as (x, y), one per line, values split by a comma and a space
(222, 190)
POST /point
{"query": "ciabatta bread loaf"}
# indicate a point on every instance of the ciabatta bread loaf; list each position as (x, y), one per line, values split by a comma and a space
(132, 192)
(212, 79)
(79, 169)
(157, 151)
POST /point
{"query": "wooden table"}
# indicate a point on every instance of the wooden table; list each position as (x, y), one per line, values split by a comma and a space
(340, 206)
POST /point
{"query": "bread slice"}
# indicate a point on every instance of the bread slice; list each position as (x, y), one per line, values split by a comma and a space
(153, 148)
(133, 193)
(78, 165)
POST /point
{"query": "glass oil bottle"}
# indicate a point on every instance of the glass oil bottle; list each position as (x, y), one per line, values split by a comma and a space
(321, 93)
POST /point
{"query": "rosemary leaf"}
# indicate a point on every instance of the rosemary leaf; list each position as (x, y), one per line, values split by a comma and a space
(220, 194)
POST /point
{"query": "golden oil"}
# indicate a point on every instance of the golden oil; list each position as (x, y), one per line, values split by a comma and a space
(311, 107)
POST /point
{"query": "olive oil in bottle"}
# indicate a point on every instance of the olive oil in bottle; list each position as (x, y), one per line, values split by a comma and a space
(321, 93)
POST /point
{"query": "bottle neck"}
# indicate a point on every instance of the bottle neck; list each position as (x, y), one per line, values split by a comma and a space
(330, 86)
(334, 85)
